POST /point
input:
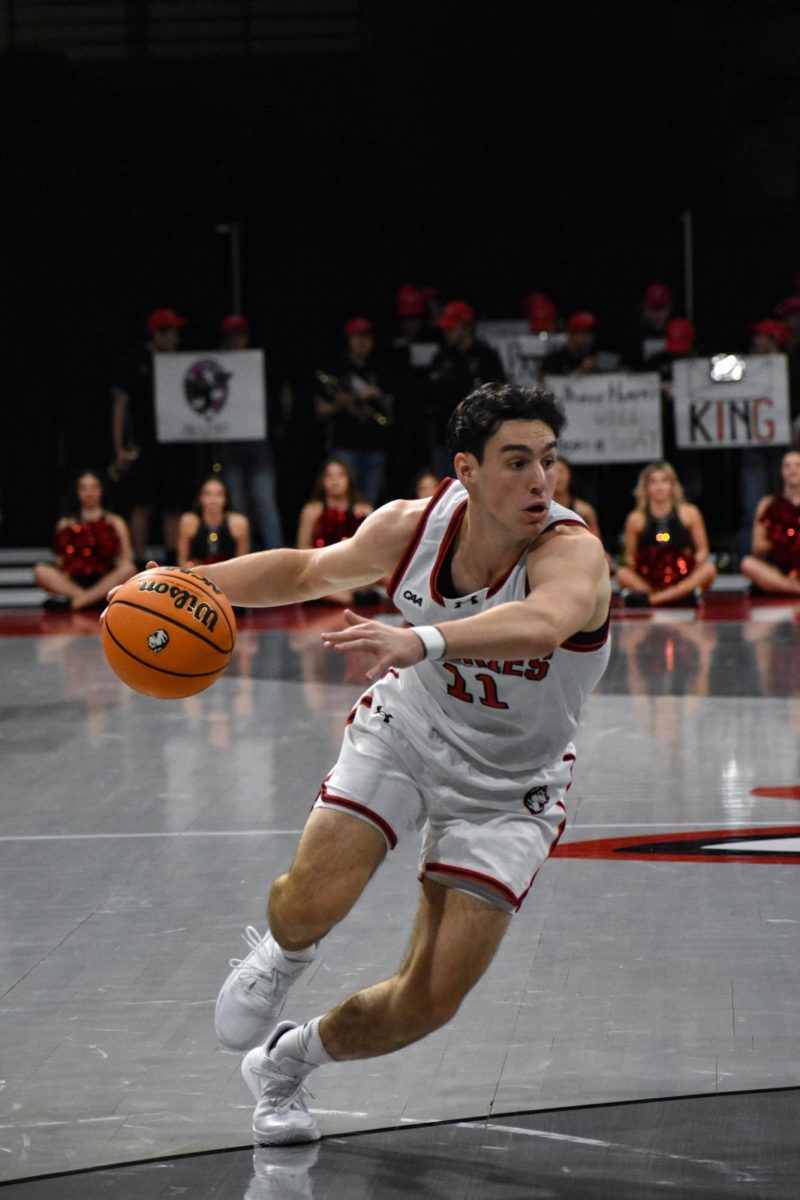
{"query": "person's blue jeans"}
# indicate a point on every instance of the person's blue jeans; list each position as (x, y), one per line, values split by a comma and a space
(249, 472)
(368, 468)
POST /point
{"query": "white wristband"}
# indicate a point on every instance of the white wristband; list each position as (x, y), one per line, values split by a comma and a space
(433, 641)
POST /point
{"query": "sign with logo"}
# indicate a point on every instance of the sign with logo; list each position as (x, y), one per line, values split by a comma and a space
(610, 418)
(521, 352)
(731, 400)
(210, 396)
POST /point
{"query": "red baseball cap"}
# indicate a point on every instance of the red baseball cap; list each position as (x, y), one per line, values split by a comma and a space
(164, 318)
(235, 323)
(412, 300)
(581, 320)
(679, 337)
(357, 325)
(790, 305)
(542, 312)
(772, 329)
(454, 313)
(657, 295)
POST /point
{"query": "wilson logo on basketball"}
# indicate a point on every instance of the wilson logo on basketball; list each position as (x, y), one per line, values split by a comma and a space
(181, 598)
(158, 640)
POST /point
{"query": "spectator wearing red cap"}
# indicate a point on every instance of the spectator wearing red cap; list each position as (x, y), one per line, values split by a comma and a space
(137, 466)
(249, 467)
(235, 332)
(647, 329)
(679, 342)
(577, 356)
(356, 403)
(462, 364)
(541, 312)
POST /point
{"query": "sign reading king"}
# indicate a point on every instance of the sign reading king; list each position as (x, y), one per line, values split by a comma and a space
(731, 400)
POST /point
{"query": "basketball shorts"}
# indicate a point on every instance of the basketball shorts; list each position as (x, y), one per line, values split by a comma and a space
(485, 834)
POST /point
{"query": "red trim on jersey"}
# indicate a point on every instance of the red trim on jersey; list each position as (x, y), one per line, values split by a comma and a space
(444, 549)
(571, 759)
(351, 716)
(479, 877)
(416, 538)
(499, 582)
(582, 643)
(565, 521)
(353, 805)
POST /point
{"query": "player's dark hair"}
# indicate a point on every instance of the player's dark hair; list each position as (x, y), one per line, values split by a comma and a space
(481, 413)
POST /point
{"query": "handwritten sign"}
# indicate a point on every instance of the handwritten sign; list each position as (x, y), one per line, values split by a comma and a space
(610, 418)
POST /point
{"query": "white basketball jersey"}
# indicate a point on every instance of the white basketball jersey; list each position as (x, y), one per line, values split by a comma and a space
(512, 714)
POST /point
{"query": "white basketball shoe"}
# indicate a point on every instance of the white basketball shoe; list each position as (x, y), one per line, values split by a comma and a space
(281, 1116)
(252, 996)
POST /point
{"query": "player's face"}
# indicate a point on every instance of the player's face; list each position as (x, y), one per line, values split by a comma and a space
(515, 481)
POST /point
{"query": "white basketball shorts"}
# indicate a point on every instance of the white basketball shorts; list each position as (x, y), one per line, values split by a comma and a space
(486, 834)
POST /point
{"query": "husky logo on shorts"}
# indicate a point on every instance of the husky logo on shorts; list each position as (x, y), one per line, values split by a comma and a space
(537, 799)
(158, 640)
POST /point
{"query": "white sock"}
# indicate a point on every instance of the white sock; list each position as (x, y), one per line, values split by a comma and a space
(300, 1050)
(305, 955)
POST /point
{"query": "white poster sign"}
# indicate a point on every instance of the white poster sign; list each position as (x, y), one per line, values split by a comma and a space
(610, 418)
(210, 396)
(521, 354)
(747, 404)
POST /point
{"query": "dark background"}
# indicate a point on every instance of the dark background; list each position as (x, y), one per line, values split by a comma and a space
(486, 148)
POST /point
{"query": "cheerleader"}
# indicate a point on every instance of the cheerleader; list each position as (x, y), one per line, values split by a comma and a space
(666, 544)
(774, 565)
(93, 551)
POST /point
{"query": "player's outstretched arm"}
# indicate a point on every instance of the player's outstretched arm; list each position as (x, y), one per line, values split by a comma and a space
(570, 591)
(272, 577)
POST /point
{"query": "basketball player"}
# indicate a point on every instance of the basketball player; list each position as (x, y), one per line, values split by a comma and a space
(465, 730)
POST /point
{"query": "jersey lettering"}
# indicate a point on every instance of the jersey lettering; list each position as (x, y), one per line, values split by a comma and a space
(413, 597)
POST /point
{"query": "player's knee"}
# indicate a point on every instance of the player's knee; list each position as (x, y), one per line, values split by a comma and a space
(295, 915)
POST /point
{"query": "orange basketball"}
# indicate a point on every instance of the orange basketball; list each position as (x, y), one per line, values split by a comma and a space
(169, 633)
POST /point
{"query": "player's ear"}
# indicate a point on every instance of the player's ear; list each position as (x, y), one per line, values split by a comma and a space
(465, 464)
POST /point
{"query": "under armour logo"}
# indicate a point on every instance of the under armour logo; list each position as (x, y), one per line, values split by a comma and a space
(469, 600)
(387, 716)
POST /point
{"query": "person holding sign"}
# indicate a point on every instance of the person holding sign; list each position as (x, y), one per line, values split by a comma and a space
(666, 544)
(774, 565)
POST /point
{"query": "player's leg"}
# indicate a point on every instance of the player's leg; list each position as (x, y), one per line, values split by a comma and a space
(455, 938)
(337, 856)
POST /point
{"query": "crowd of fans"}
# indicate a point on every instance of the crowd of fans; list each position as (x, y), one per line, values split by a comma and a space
(382, 411)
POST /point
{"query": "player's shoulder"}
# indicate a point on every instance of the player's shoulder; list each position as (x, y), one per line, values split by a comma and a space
(401, 515)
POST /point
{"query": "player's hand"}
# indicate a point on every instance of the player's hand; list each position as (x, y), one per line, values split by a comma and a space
(387, 645)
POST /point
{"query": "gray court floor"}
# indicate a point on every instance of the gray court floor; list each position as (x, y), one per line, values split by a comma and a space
(137, 839)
